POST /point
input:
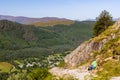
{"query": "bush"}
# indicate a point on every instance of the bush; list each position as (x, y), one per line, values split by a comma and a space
(40, 74)
(62, 64)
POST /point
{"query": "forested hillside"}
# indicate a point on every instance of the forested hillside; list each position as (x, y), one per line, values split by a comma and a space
(19, 41)
(23, 48)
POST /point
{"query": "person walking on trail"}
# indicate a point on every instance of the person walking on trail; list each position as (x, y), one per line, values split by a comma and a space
(93, 65)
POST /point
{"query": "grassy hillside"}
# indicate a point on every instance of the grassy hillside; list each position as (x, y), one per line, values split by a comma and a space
(109, 56)
(5, 67)
(19, 41)
(53, 23)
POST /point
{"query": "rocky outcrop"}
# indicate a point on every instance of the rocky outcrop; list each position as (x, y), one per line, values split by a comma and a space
(86, 49)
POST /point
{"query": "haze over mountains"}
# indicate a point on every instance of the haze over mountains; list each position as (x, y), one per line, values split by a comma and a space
(27, 20)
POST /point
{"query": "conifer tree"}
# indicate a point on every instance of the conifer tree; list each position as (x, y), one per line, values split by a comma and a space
(103, 21)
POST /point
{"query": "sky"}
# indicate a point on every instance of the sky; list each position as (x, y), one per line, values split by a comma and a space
(70, 9)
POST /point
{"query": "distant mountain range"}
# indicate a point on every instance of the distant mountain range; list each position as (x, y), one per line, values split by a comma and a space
(27, 20)
(45, 21)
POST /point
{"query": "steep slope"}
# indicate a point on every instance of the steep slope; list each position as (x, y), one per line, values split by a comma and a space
(75, 33)
(89, 48)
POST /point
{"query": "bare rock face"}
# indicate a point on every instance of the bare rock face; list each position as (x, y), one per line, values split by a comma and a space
(83, 52)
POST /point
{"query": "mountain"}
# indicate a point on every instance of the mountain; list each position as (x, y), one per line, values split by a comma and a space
(27, 47)
(27, 20)
(18, 41)
(86, 49)
(104, 48)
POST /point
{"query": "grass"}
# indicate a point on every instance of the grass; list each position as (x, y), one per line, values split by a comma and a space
(110, 68)
(18, 62)
(106, 33)
(54, 22)
(5, 67)
(62, 64)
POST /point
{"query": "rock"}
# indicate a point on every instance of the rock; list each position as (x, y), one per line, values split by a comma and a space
(66, 73)
(83, 52)
(109, 58)
(115, 78)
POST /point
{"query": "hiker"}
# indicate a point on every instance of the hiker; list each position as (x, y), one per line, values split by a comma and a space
(93, 65)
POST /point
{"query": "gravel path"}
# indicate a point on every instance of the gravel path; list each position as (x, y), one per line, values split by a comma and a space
(115, 78)
(76, 73)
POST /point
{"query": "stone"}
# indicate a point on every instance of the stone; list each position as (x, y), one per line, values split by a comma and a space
(83, 52)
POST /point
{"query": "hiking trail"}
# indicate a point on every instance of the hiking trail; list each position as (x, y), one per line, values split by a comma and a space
(79, 73)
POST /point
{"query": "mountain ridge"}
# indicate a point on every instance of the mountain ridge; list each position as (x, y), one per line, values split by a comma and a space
(28, 20)
(53, 23)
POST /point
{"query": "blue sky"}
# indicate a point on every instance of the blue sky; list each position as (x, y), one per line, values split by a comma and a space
(71, 9)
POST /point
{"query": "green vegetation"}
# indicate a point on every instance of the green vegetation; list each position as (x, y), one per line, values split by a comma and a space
(103, 22)
(62, 64)
(28, 47)
(109, 63)
(110, 68)
(75, 33)
(111, 48)
(5, 67)
(32, 68)
(35, 74)
(4, 76)
(19, 41)
(40, 74)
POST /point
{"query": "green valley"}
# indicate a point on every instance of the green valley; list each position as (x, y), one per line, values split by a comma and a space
(27, 47)
(19, 41)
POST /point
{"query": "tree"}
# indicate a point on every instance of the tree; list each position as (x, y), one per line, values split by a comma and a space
(4, 76)
(40, 74)
(103, 21)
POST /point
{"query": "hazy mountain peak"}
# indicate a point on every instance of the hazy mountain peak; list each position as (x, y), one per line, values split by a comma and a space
(27, 20)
